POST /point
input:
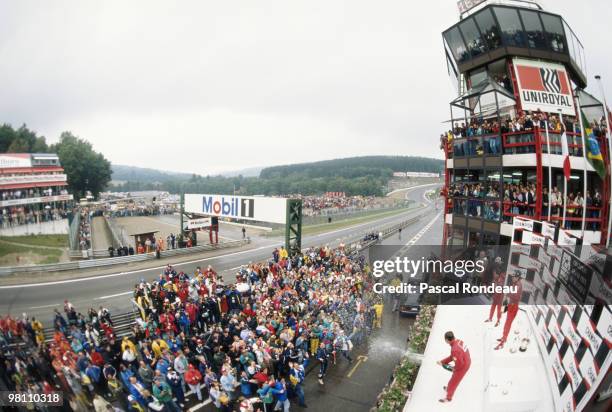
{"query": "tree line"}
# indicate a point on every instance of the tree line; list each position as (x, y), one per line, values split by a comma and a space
(367, 176)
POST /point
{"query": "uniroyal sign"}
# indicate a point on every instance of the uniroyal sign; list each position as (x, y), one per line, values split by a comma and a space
(544, 86)
(262, 209)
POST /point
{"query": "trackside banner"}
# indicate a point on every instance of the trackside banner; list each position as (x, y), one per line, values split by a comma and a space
(544, 86)
(261, 209)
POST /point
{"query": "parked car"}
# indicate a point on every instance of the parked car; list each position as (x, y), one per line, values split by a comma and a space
(411, 306)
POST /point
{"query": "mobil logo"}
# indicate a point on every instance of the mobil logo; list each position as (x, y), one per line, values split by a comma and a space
(220, 205)
(231, 206)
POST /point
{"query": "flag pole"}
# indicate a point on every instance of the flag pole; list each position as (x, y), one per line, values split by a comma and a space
(564, 200)
(549, 169)
(609, 138)
(584, 150)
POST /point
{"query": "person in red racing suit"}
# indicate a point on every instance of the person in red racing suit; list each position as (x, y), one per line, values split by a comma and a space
(460, 355)
(513, 306)
(499, 278)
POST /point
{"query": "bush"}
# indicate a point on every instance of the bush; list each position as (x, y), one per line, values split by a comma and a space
(393, 397)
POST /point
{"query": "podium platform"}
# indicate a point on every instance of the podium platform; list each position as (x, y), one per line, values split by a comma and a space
(506, 380)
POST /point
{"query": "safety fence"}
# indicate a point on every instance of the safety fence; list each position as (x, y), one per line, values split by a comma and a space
(95, 263)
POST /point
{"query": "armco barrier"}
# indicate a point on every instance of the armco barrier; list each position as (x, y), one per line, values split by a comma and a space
(94, 263)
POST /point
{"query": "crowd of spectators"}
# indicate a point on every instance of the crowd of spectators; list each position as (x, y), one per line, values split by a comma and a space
(84, 230)
(24, 215)
(519, 199)
(481, 136)
(16, 215)
(329, 205)
(246, 345)
(144, 210)
(33, 192)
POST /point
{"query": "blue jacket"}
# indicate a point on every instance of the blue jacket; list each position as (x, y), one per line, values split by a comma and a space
(134, 392)
(125, 377)
(279, 391)
(93, 372)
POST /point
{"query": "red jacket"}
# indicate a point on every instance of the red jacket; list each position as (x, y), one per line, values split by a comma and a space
(460, 354)
(193, 376)
(96, 358)
(515, 298)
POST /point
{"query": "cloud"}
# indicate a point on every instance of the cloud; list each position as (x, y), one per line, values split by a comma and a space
(211, 86)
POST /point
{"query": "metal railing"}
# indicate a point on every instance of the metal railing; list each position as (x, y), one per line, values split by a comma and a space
(94, 263)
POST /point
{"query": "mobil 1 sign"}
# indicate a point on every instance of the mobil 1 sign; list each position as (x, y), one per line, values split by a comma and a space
(261, 209)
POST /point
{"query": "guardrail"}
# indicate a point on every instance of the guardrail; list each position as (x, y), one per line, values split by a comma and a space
(93, 263)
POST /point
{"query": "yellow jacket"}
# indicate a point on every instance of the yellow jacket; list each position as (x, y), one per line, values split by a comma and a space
(158, 346)
(126, 342)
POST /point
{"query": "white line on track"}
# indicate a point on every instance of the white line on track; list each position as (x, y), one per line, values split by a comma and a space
(115, 295)
(413, 187)
(423, 231)
(44, 306)
(200, 405)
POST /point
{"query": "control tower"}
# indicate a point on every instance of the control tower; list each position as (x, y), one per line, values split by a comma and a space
(516, 138)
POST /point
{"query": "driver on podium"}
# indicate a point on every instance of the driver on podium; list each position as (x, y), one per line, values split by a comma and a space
(460, 355)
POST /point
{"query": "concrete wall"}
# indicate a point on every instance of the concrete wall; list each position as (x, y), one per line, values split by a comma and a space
(55, 227)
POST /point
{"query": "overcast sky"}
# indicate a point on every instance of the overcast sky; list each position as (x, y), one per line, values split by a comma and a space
(212, 86)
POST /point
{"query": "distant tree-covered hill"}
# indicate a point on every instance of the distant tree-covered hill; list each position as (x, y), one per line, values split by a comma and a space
(352, 167)
(355, 176)
(140, 174)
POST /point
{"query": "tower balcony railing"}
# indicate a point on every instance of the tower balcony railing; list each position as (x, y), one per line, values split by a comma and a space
(496, 210)
(514, 143)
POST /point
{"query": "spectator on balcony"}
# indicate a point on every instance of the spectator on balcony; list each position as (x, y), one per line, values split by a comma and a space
(556, 202)
(545, 202)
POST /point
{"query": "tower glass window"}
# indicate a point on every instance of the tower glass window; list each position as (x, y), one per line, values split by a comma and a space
(533, 29)
(510, 25)
(456, 45)
(554, 32)
(472, 37)
(488, 28)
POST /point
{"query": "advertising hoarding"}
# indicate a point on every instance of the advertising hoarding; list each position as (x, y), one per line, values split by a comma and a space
(15, 160)
(544, 86)
(198, 223)
(261, 209)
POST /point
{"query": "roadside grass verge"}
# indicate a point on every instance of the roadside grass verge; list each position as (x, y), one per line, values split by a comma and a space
(57, 241)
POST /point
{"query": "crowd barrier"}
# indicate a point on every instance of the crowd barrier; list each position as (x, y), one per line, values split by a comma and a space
(93, 263)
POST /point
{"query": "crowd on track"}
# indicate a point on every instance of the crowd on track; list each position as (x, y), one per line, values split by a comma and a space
(245, 345)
